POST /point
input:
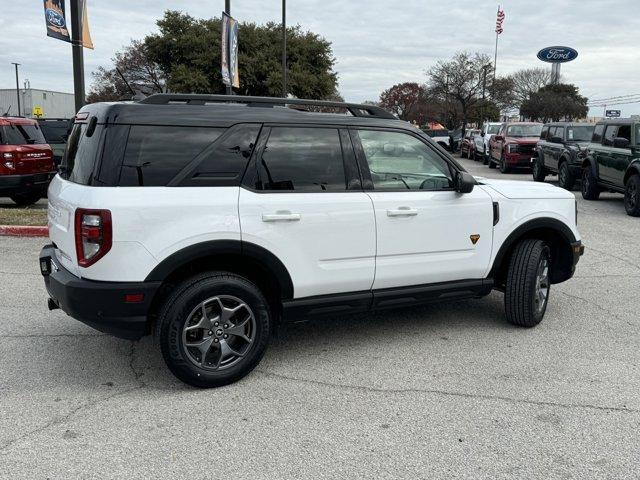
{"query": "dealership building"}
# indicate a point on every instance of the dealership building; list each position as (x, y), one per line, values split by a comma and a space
(35, 102)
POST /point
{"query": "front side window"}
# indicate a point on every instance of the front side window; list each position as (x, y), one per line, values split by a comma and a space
(597, 133)
(559, 133)
(610, 134)
(156, 154)
(399, 161)
(544, 133)
(302, 159)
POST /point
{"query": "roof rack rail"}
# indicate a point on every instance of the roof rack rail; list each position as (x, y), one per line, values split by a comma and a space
(356, 109)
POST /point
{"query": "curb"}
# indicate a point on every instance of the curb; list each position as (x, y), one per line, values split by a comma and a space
(23, 231)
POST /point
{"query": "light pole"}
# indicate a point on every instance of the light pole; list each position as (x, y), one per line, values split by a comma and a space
(284, 48)
(227, 10)
(78, 55)
(17, 87)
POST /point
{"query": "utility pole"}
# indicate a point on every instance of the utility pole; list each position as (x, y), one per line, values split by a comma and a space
(227, 10)
(484, 88)
(78, 54)
(17, 87)
(284, 48)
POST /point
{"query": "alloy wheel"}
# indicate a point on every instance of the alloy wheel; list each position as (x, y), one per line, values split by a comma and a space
(542, 286)
(631, 197)
(218, 332)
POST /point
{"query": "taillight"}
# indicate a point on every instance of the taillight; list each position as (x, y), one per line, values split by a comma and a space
(93, 235)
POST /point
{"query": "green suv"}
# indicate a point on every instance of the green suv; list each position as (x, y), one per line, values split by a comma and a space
(612, 162)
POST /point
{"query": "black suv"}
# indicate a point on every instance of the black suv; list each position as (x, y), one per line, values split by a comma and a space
(612, 162)
(558, 150)
(56, 131)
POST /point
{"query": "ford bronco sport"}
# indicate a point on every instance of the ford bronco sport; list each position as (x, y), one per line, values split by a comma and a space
(26, 161)
(208, 219)
(612, 162)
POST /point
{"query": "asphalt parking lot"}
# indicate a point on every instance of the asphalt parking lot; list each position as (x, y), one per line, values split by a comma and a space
(442, 391)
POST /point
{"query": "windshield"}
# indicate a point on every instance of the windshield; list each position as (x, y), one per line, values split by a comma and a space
(493, 129)
(524, 130)
(15, 134)
(55, 132)
(580, 134)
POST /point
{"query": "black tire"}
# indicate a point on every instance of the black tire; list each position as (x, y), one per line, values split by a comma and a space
(521, 297)
(503, 164)
(538, 171)
(486, 160)
(177, 310)
(590, 189)
(566, 179)
(462, 154)
(632, 196)
(26, 199)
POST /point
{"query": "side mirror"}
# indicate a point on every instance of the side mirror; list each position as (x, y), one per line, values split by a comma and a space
(464, 182)
(498, 138)
(556, 139)
(620, 142)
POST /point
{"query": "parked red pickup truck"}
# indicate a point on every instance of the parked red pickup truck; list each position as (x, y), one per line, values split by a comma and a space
(514, 145)
(26, 161)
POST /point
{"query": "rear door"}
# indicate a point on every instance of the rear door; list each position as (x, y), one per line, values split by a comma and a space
(606, 154)
(426, 231)
(302, 200)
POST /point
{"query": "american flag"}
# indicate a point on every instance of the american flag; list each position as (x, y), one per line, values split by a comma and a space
(499, 20)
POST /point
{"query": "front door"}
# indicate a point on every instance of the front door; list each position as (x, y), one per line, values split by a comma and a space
(426, 231)
(303, 202)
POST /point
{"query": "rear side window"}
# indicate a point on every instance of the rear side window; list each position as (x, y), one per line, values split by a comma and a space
(156, 154)
(302, 159)
(624, 131)
(559, 133)
(597, 133)
(610, 134)
(15, 134)
(81, 155)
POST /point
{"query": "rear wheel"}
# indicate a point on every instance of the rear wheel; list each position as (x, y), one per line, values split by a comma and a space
(566, 179)
(538, 170)
(462, 153)
(528, 285)
(590, 189)
(632, 196)
(26, 199)
(214, 329)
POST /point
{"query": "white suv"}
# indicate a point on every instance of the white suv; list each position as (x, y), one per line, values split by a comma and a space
(208, 219)
(489, 129)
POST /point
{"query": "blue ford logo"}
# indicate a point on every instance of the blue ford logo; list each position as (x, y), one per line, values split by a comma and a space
(557, 54)
(54, 18)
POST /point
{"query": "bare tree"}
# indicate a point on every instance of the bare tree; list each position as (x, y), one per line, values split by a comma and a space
(459, 81)
(529, 81)
(406, 100)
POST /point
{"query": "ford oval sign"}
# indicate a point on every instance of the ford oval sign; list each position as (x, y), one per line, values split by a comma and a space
(54, 18)
(557, 54)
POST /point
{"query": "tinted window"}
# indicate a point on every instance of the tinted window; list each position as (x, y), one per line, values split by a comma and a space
(609, 134)
(54, 132)
(302, 159)
(545, 131)
(225, 161)
(155, 155)
(559, 132)
(624, 131)
(15, 134)
(399, 161)
(637, 132)
(81, 154)
(581, 133)
(597, 133)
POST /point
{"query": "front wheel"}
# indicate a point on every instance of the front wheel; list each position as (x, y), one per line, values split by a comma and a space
(528, 284)
(504, 168)
(566, 179)
(632, 196)
(492, 163)
(26, 199)
(590, 189)
(214, 329)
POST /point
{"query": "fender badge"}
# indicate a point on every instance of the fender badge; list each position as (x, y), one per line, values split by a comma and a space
(474, 238)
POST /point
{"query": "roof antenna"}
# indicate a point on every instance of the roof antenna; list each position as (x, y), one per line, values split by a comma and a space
(125, 81)
(6, 114)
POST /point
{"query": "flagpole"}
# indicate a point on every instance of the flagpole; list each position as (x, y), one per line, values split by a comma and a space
(495, 59)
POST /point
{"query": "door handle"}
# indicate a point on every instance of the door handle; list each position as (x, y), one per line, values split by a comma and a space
(402, 212)
(281, 216)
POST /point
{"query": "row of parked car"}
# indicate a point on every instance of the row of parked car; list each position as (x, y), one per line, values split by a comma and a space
(604, 156)
(30, 151)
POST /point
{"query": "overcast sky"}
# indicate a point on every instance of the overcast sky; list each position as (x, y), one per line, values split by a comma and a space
(376, 43)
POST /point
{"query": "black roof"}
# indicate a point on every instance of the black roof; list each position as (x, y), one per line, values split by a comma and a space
(619, 121)
(569, 124)
(224, 111)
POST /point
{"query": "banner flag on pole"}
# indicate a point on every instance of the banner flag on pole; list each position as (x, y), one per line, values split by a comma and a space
(499, 20)
(86, 34)
(55, 18)
(229, 57)
(224, 43)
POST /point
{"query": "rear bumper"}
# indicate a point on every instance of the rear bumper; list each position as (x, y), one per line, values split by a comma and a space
(100, 305)
(12, 184)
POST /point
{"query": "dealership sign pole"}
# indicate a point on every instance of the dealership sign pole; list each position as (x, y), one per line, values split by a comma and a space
(556, 56)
